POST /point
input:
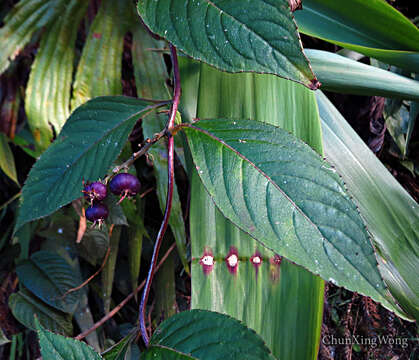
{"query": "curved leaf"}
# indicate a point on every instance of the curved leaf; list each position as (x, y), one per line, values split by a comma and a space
(49, 276)
(24, 306)
(343, 75)
(391, 215)
(47, 101)
(279, 191)
(164, 353)
(262, 39)
(99, 68)
(58, 347)
(7, 161)
(390, 37)
(25, 18)
(89, 142)
(210, 335)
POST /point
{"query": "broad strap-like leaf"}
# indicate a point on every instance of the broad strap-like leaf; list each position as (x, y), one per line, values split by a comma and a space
(49, 276)
(373, 28)
(47, 96)
(24, 305)
(89, 142)
(343, 75)
(391, 215)
(58, 347)
(208, 335)
(22, 22)
(235, 36)
(277, 189)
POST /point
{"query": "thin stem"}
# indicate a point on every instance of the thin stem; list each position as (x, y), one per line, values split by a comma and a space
(111, 313)
(169, 198)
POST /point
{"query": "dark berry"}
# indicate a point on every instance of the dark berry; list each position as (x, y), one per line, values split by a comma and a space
(95, 191)
(125, 185)
(97, 213)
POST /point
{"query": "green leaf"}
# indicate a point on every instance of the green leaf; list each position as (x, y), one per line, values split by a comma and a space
(279, 191)
(93, 246)
(3, 338)
(58, 347)
(7, 161)
(22, 22)
(163, 353)
(24, 305)
(343, 75)
(99, 69)
(210, 335)
(47, 101)
(390, 213)
(120, 349)
(390, 37)
(89, 142)
(281, 303)
(49, 276)
(262, 39)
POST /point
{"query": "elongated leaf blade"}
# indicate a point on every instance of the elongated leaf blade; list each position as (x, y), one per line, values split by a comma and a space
(289, 298)
(343, 75)
(58, 347)
(49, 276)
(89, 142)
(391, 215)
(279, 191)
(7, 161)
(47, 101)
(391, 37)
(262, 39)
(210, 335)
(164, 353)
(99, 69)
(24, 306)
(20, 24)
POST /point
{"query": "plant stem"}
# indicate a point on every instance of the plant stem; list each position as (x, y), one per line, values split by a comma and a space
(169, 198)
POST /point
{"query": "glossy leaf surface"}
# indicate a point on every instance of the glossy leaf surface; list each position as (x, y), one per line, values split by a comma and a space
(391, 215)
(210, 335)
(89, 142)
(262, 39)
(279, 191)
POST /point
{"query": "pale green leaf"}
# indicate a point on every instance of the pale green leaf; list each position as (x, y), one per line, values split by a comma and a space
(7, 161)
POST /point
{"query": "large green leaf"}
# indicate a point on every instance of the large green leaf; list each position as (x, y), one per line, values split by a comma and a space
(58, 347)
(235, 36)
(164, 353)
(7, 161)
(294, 301)
(24, 306)
(279, 191)
(150, 77)
(391, 215)
(49, 276)
(26, 17)
(89, 142)
(99, 69)
(372, 28)
(47, 101)
(210, 335)
(344, 75)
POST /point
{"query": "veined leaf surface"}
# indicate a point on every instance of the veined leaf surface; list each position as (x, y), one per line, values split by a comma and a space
(278, 190)
(262, 39)
(164, 353)
(89, 142)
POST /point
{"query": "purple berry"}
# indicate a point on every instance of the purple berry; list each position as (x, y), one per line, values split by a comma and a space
(97, 212)
(125, 185)
(95, 191)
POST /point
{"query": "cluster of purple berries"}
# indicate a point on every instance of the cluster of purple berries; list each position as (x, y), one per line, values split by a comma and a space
(122, 185)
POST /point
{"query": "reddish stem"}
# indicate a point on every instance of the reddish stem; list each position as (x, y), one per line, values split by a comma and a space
(170, 169)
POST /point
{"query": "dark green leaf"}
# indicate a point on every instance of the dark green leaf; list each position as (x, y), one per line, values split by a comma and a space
(47, 101)
(49, 276)
(94, 245)
(389, 37)
(58, 347)
(279, 191)
(7, 161)
(24, 306)
(210, 335)
(89, 142)
(120, 349)
(263, 38)
(164, 353)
